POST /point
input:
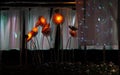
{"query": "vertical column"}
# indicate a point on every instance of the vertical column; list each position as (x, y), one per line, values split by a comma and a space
(23, 51)
(57, 38)
(58, 19)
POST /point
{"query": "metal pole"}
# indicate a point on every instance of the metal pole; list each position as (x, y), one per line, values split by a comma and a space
(23, 52)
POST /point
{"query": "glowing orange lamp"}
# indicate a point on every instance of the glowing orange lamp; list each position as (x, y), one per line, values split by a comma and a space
(35, 31)
(41, 21)
(46, 29)
(29, 36)
(58, 18)
(32, 33)
(73, 31)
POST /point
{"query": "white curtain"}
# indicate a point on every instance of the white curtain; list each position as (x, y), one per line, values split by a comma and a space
(9, 29)
(11, 32)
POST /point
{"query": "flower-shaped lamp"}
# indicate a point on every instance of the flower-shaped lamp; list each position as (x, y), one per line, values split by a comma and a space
(32, 33)
(29, 36)
(46, 30)
(35, 31)
(73, 31)
(58, 18)
(41, 21)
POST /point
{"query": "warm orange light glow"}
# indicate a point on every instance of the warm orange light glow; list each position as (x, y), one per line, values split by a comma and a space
(30, 35)
(41, 21)
(73, 33)
(46, 29)
(35, 29)
(58, 18)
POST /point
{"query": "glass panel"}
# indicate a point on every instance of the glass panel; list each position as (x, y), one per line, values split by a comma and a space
(99, 24)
